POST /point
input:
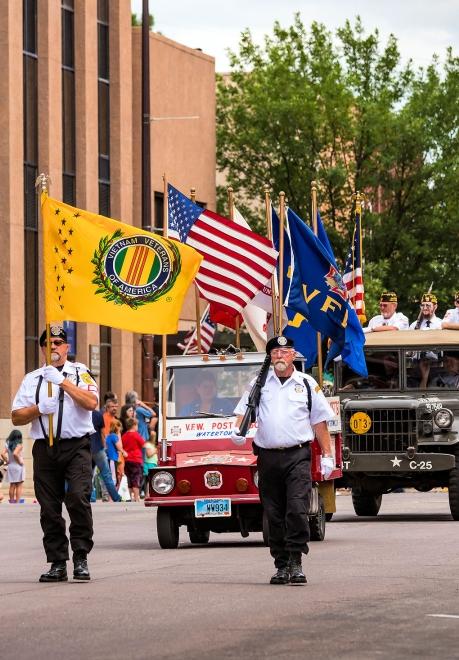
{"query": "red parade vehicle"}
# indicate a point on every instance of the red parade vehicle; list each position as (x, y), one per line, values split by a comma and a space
(203, 481)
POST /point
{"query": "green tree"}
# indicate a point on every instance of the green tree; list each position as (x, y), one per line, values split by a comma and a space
(344, 111)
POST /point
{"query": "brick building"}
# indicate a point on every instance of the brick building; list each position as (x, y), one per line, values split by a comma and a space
(70, 105)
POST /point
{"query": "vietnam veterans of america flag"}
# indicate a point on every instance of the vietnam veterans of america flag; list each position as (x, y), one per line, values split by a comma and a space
(353, 273)
(100, 270)
(237, 262)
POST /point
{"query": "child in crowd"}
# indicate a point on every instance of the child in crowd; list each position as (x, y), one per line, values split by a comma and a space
(114, 450)
(151, 458)
(133, 444)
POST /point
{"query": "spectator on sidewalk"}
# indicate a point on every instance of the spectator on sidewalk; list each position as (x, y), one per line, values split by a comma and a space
(15, 469)
(133, 445)
(99, 457)
(110, 414)
(113, 449)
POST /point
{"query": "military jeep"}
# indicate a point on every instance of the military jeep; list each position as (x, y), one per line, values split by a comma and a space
(400, 425)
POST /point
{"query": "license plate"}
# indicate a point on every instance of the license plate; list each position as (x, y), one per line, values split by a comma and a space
(212, 508)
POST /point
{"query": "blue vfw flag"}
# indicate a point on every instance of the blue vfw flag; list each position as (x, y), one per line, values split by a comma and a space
(314, 289)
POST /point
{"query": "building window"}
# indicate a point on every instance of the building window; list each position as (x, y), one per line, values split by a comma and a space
(30, 131)
(68, 104)
(103, 82)
(158, 214)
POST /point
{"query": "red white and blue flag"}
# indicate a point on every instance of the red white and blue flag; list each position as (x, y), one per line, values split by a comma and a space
(237, 262)
(190, 341)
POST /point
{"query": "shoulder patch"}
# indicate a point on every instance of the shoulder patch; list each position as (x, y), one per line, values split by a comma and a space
(86, 378)
(317, 388)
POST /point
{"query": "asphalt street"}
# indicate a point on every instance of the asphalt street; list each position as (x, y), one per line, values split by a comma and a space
(377, 588)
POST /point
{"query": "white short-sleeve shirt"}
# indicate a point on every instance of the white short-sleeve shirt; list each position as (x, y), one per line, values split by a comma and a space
(452, 315)
(76, 421)
(283, 415)
(397, 319)
(435, 324)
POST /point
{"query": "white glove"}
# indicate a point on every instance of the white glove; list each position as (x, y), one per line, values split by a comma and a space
(327, 465)
(53, 375)
(48, 406)
(236, 438)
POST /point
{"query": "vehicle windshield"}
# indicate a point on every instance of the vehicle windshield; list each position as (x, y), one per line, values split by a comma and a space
(207, 390)
(432, 369)
(419, 370)
(383, 372)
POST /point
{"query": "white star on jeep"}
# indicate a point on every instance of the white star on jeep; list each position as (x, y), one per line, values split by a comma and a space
(396, 461)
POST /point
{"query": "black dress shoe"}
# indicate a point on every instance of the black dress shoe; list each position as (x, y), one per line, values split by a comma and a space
(282, 576)
(57, 573)
(80, 569)
(296, 573)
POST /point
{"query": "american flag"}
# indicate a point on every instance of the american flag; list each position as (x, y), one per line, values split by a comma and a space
(353, 274)
(237, 262)
(190, 341)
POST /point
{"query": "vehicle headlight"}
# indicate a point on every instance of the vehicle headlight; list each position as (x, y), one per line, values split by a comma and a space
(255, 478)
(163, 483)
(443, 418)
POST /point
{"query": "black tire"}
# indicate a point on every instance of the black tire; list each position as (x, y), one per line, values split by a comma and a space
(265, 529)
(199, 535)
(366, 504)
(167, 528)
(453, 490)
(317, 523)
(328, 516)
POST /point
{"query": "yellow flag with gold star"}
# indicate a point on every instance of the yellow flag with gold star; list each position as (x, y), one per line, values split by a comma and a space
(100, 270)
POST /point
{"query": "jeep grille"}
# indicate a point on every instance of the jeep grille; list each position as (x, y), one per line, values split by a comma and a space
(391, 431)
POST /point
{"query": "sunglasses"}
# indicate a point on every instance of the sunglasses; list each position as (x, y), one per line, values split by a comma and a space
(55, 342)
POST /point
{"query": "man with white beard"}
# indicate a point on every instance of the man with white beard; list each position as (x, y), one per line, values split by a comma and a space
(292, 411)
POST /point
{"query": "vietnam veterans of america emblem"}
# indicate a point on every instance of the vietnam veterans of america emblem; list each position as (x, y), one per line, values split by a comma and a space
(134, 270)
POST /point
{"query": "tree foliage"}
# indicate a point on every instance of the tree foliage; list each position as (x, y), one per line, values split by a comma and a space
(344, 111)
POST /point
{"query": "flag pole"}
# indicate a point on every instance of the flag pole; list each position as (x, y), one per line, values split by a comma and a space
(41, 184)
(315, 230)
(164, 342)
(281, 257)
(231, 217)
(359, 199)
(196, 293)
(269, 231)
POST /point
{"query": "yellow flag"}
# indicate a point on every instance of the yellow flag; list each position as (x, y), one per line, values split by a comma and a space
(99, 270)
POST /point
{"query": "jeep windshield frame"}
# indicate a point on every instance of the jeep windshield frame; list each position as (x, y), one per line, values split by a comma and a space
(411, 361)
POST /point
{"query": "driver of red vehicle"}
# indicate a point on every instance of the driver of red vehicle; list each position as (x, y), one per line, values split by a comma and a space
(292, 411)
(207, 400)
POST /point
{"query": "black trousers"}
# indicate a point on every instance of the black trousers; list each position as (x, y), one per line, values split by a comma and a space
(285, 491)
(63, 474)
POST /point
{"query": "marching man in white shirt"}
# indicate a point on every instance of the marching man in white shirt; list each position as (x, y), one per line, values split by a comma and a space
(389, 319)
(291, 412)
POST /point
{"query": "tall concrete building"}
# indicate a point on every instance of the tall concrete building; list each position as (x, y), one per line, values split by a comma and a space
(70, 106)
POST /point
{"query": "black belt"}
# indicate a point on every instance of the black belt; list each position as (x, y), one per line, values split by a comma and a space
(302, 444)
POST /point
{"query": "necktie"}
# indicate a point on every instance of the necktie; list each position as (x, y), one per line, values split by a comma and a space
(428, 324)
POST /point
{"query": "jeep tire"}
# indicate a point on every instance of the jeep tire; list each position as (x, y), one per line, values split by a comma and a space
(365, 503)
(167, 529)
(317, 523)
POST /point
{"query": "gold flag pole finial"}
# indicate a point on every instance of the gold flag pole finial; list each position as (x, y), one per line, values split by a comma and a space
(42, 182)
